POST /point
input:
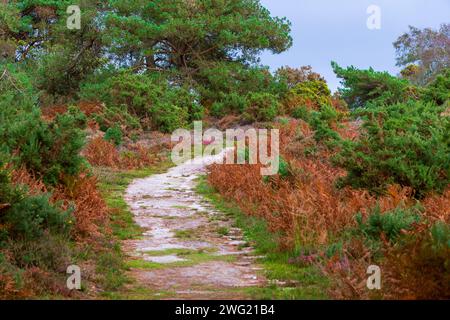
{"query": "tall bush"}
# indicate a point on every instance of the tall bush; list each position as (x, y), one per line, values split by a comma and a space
(404, 143)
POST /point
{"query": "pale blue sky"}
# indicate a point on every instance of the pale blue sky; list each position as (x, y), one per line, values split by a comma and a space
(326, 30)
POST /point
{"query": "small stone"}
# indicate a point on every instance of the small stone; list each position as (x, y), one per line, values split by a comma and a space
(237, 243)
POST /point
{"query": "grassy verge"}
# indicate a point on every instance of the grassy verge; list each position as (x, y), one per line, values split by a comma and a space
(304, 283)
(111, 263)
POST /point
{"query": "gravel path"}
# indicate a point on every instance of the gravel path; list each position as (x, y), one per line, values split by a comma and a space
(188, 249)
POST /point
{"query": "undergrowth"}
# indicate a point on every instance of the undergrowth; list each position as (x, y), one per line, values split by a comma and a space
(286, 280)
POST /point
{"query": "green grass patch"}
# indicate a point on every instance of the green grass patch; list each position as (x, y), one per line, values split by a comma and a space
(223, 231)
(185, 234)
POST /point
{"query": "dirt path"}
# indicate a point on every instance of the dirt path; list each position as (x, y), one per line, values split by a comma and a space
(188, 249)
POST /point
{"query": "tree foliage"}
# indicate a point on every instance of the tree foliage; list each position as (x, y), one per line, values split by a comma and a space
(424, 53)
(295, 76)
(362, 86)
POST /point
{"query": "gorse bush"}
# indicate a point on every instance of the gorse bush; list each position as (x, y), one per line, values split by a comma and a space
(438, 91)
(322, 121)
(232, 89)
(388, 224)
(26, 217)
(112, 116)
(50, 149)
(301, 112)
(114, 134)
(261, 107)
(404, 143)
(229, 104)
(31, 216)
(150, 98)
(226, 82)
(312, 91)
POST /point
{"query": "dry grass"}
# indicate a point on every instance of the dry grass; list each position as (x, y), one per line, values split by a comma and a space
(90, 213)
(306, 207)
(49, 113)
(311, 212)
(100, 152)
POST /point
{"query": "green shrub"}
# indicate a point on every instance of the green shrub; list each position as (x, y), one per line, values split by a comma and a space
(406, 144)
(363, 86)
(284, 169)
(312, 91)
(261, 107)
(440, 234)
(169, 117)
(301, 112)
(112, 116)
(229, 104)
(33, 215)
(50, 149)
(321, 121)
(54, 149)
(151, 98)
(390, 224)
(438, 91)
(114, 134)
(228, 81)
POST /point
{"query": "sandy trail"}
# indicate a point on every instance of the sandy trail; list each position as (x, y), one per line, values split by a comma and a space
(188, 249)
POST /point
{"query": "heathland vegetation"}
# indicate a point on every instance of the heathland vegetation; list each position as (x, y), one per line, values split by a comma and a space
(364, 173)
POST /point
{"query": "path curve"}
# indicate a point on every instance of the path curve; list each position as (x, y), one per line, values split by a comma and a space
(188, 249)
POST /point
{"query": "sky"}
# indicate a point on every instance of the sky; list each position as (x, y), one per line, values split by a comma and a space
(336, 30)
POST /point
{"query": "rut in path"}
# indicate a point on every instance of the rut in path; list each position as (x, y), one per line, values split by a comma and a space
(188, 249)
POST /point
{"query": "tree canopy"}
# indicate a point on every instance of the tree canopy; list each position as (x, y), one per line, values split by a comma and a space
(424, 53)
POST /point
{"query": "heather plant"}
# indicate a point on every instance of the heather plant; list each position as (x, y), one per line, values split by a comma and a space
(420, 267)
